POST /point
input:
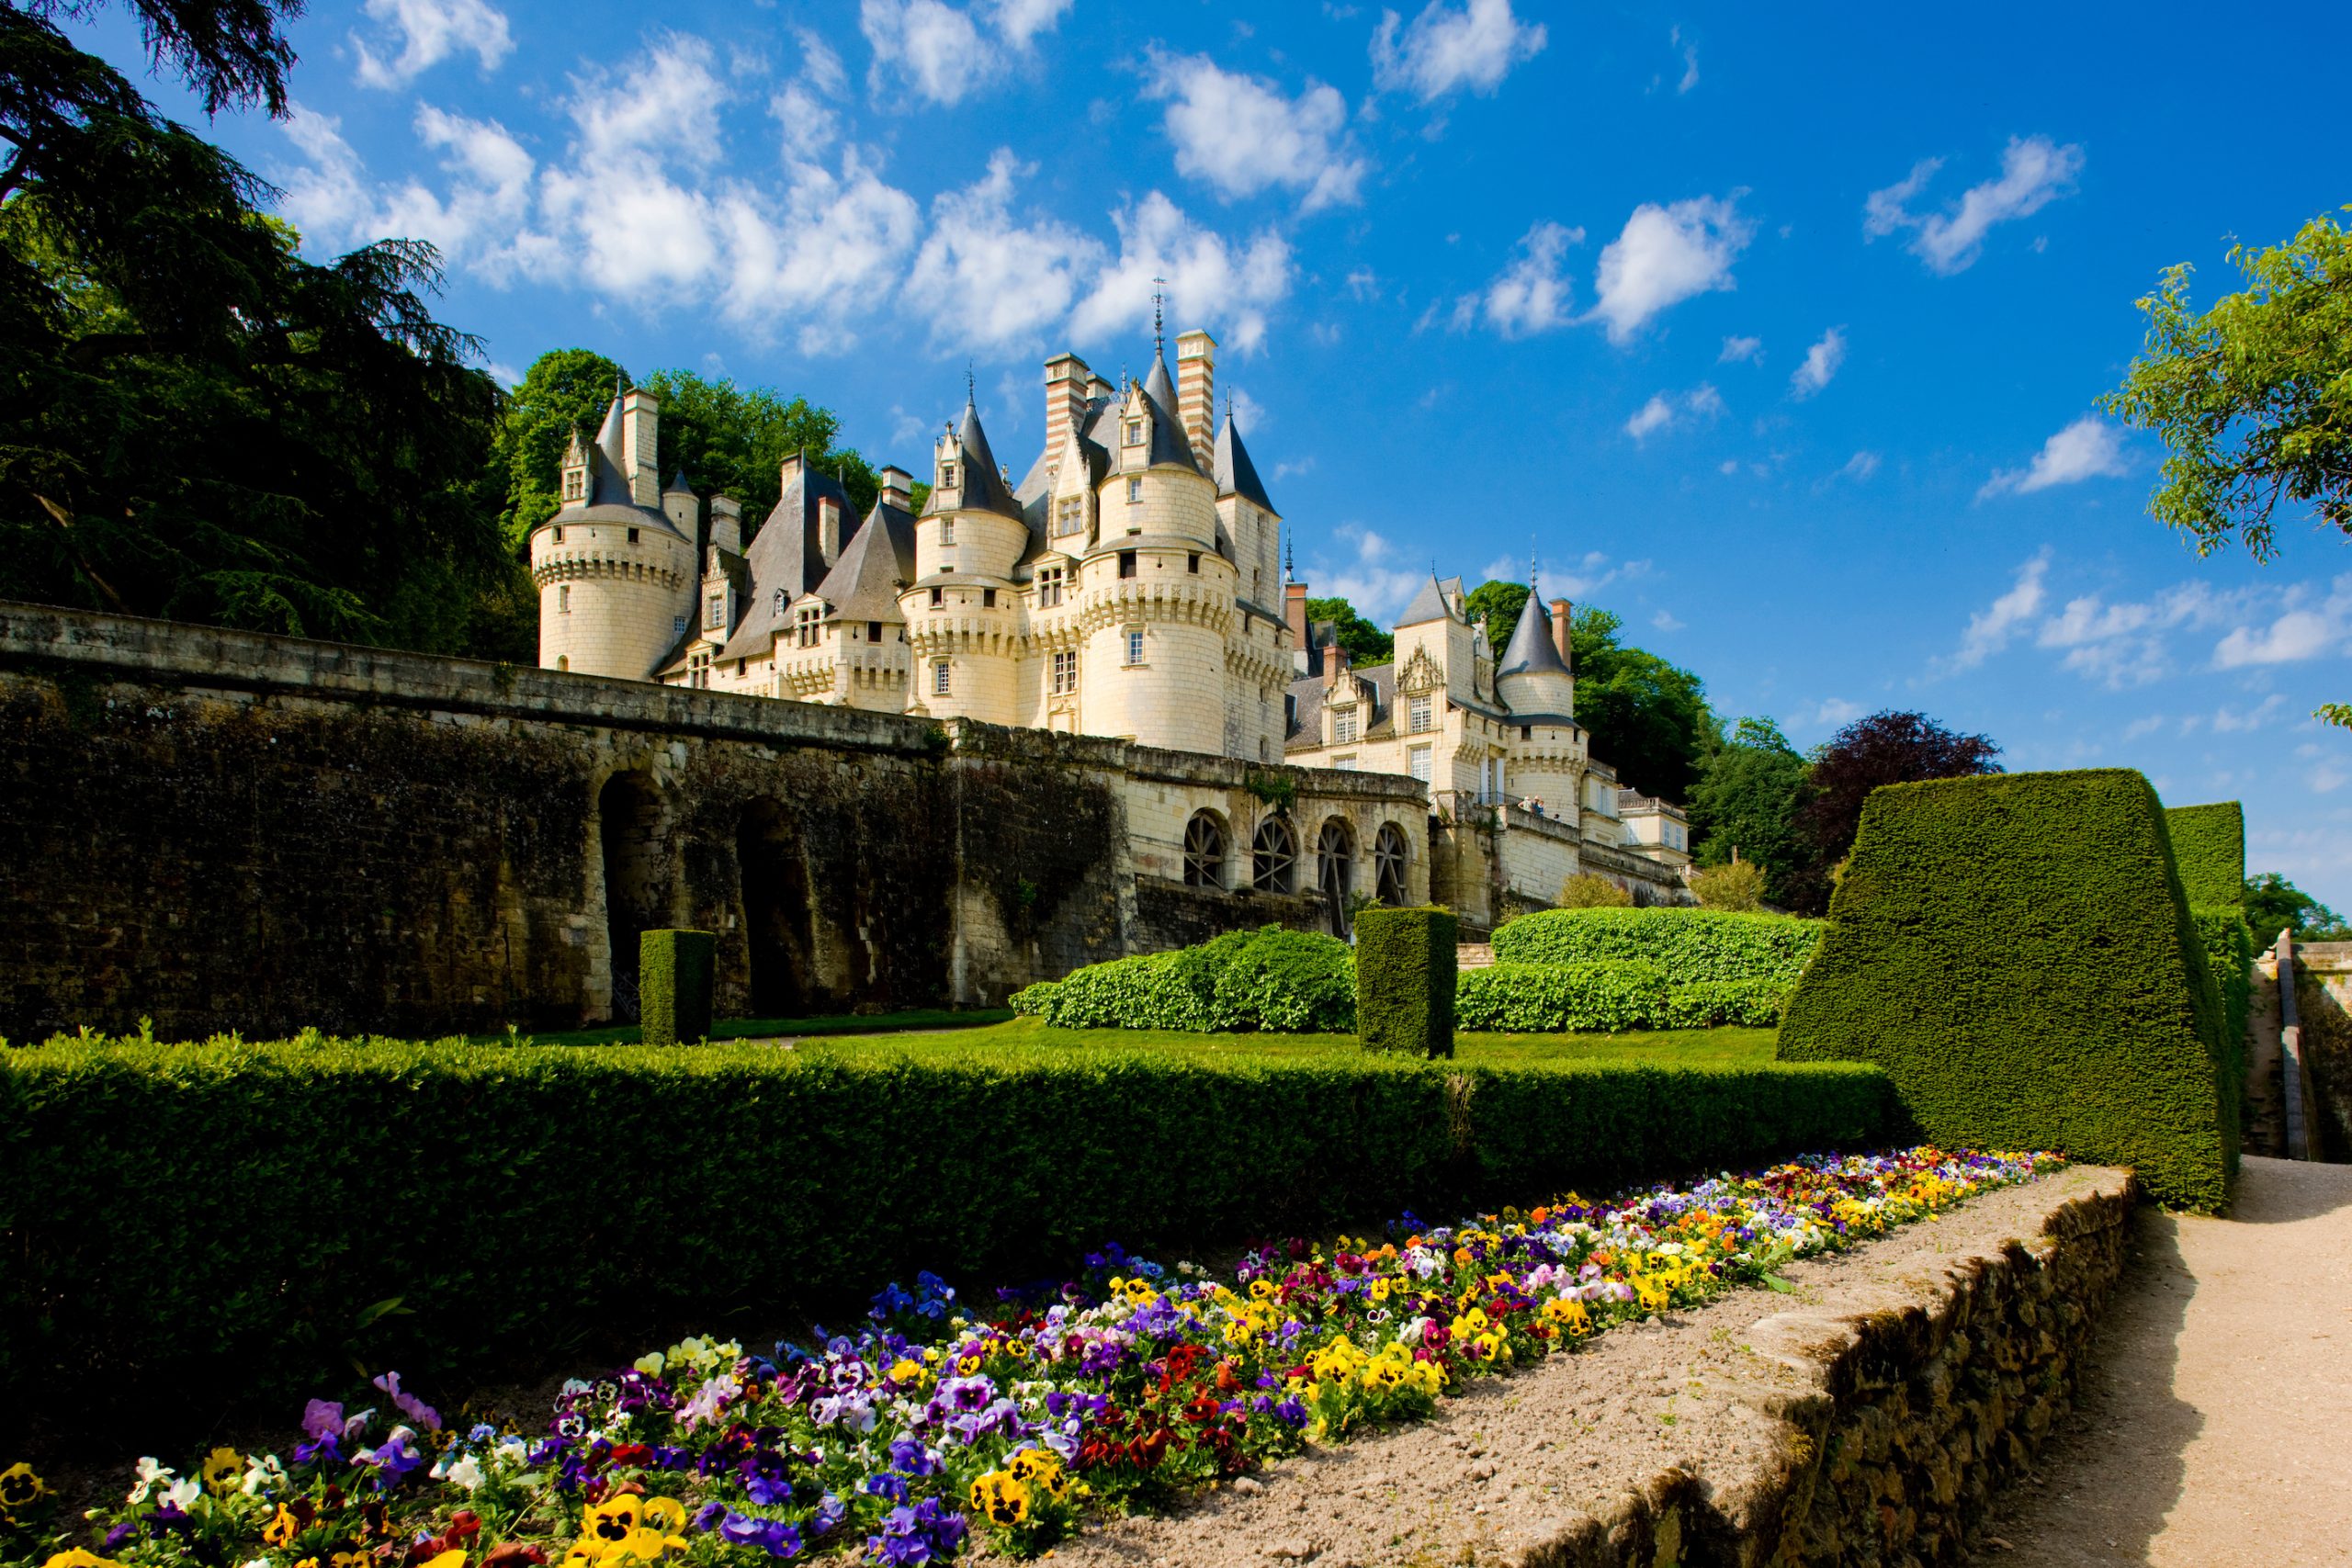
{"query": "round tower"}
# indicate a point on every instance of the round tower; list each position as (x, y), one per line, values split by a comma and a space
(962, 612)
(617, 576)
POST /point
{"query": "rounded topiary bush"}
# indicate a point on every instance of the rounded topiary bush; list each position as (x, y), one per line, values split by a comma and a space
(1029, 1001)
(1291, 983)
(1688, 944)
(1549, 999)
(1271, 978)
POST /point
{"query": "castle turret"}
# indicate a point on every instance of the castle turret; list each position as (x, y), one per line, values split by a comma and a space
(962, 615)
(618, 576)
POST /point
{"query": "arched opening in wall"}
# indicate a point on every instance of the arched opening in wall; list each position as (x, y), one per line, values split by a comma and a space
(1204, 851)
(778, 932)
(1334, 871)
(1273, 856)
(629, 814)
(1388, 865)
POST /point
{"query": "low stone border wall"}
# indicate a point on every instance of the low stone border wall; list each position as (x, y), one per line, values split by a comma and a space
(1865, 1419)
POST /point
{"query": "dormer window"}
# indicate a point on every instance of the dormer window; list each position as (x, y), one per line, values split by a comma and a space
(1343, 728)
(1418, 714)
(714, 613)
(807, 625)
(1069, 516)
(1135, 433)
(948, 476)
(575, 485)
(1049, 587)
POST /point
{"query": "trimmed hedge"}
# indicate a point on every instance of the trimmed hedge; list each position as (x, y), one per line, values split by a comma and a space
(1708, 1004)
(1270, 978)
(1405, 980)
(2228, 945)
(2015, 951)
(2209, 849)
(674, 986)
(1687, 944)
(1547, 998)
(218, 1221)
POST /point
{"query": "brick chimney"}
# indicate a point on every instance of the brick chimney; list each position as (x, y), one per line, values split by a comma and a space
(1560, 632)
(1295, 613)
(727, 525)
(789, 471)
(1067, 378)
(897, 488)
(1197, 390)
(641, 443)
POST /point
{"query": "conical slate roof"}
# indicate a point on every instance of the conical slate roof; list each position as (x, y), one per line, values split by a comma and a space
(1167, 441)
(864, 583)
(1233, 471)
(984, 488)
(1532, 650)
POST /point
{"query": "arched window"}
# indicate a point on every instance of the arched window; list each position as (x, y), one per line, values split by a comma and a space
(1272, 854)
(1388, 865)
(1334, 857)
(1204, 851)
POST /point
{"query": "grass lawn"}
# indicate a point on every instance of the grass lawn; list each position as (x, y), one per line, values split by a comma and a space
(1664, 1047)
(924, 1020)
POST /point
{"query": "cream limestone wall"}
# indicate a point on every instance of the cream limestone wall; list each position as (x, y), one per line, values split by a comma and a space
(1174, 502)
(607, 606)
(979, 646)
(985, 545)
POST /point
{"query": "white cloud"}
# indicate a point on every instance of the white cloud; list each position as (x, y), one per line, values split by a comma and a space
(1690, 62)
(2130, 642)
(429, 32)
(1836, 713)
(2035, 172)
(1532, 294)
(2089, 448)
(1020, 21)
(982, 277)
(1446, 48)
(1211, 280)
(831, 250)
(1589, 573)
(1701, 401)
(1741, 350)
(1240, 134)
(1251, 416)
(1665, 622)
(1665, 255)
(1990, 630)
(2228, 721)
(2301, 631)
(945, 53)
(1372, 576)
(1362, 283)
(331, 200)
(1859, 467)
(803, 106)
(1821, 363)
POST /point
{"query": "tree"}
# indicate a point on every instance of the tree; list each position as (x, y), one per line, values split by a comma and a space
(730, 441)
(1744, 802)
(2273, 904)
(1883, 749)
(1587, 891)
(564, 389)
(1734, 885)
(1646, 717)
(1499, 603)
(195, 422)
(1365, 644)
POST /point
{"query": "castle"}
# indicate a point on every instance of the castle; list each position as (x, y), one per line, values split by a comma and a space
(1125, 586)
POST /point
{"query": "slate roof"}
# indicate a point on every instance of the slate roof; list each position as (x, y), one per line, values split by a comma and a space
(1433, 603)
(1168, 445)
(1230, 465)
(783, 561)
(864, 584)
(609, 499)
(1532, 651)
(983, 485)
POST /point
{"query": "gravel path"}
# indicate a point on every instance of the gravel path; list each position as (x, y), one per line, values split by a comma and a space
(1506, 1462)
(2213, 1420)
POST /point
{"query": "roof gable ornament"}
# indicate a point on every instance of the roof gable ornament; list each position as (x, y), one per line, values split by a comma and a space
(1422, 673)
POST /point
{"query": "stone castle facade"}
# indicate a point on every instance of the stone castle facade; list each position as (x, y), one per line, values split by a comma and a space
(1125, 586)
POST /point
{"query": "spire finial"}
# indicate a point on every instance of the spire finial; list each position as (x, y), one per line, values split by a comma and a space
(620, 382)
(1290, 558)
(967, 383)
(1530, 569)
(1159, 294)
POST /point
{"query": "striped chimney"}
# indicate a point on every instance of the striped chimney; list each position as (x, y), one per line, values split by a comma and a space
(1197, 391)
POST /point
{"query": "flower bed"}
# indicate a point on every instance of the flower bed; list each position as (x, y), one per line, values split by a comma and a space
(940, 1420)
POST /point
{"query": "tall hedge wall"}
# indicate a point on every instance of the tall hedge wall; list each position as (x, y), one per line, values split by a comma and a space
(212, 1221)
(1688, 944)
(2228, 945)
(2016, 952)
(2209, 846)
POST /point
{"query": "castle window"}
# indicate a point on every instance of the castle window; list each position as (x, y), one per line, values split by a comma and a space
(1272, 853)
(677, 626)
(1135, 433)
(948, 476)
(1343, 728)
(1346, 764)
(947, 530)
(1418, 715)
(1204, 851)
(988, 598)
(1065, 671)
(1388, 865)
(558, 536)
(563, 599)
(1127, 563)
(1049, 587)
(698, 668)
(1134, 645)
(575, 484)
(807, 626)
(632, 536)
(939, 679)
(714, 617)
(938, 598)
(874, 631)
(1193, 563)
(1069, 516)
(1421, 756)
(1135, 491)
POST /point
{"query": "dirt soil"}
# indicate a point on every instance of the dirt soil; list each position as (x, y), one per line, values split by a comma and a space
(2213, 1419)
(1506, 1462)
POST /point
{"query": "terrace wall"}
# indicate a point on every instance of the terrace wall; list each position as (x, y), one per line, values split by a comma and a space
(224, 830)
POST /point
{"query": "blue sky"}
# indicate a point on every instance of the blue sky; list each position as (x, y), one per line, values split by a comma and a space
(1775, 332)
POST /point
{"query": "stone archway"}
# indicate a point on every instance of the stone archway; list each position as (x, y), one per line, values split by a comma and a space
(634, 866)
(778, 929)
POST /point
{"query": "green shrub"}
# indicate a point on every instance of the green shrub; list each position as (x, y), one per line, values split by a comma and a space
(1121, 994)
(1269, 979)
(1688, 944)
(1546, 998)
(674, 984)
(1707, 1004)
(1029, 1001)
(2228, 945)
(1405, 980)
(2209, 848)
(1585, 891)
(216, 1220)
(1292, 983)
(1738, 887)
(2015, 951)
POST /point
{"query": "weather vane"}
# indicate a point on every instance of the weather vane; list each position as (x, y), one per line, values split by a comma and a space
(967, 382)
(1158, 286)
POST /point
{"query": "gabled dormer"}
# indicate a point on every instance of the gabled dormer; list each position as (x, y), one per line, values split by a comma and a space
(574, 473)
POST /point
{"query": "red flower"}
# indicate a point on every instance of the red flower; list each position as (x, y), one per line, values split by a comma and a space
(631, 1453)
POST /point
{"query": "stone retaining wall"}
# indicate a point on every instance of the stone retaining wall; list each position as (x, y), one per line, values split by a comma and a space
(1895, 1423)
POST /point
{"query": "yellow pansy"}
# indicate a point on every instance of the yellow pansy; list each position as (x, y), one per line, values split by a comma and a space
(77, 1558)
(665, 1513)
(1002, 1496)
(20, 1488)
(222, 1469)
(282, 1528)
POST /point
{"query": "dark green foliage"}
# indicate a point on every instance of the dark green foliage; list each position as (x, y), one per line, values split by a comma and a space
(1499, 604)
(2227, 943)
(1405, 980)
(1552, 998)
(1746, 800)
(1685, 944)
(2209, 846)
(2273, 904)
(1365, 643)
(1886, 748)
(564, 389)
(1646, 717)
(1270, 978)
(673, 979)
(1705, 1004)
(2016, 952)
(214, 1220)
